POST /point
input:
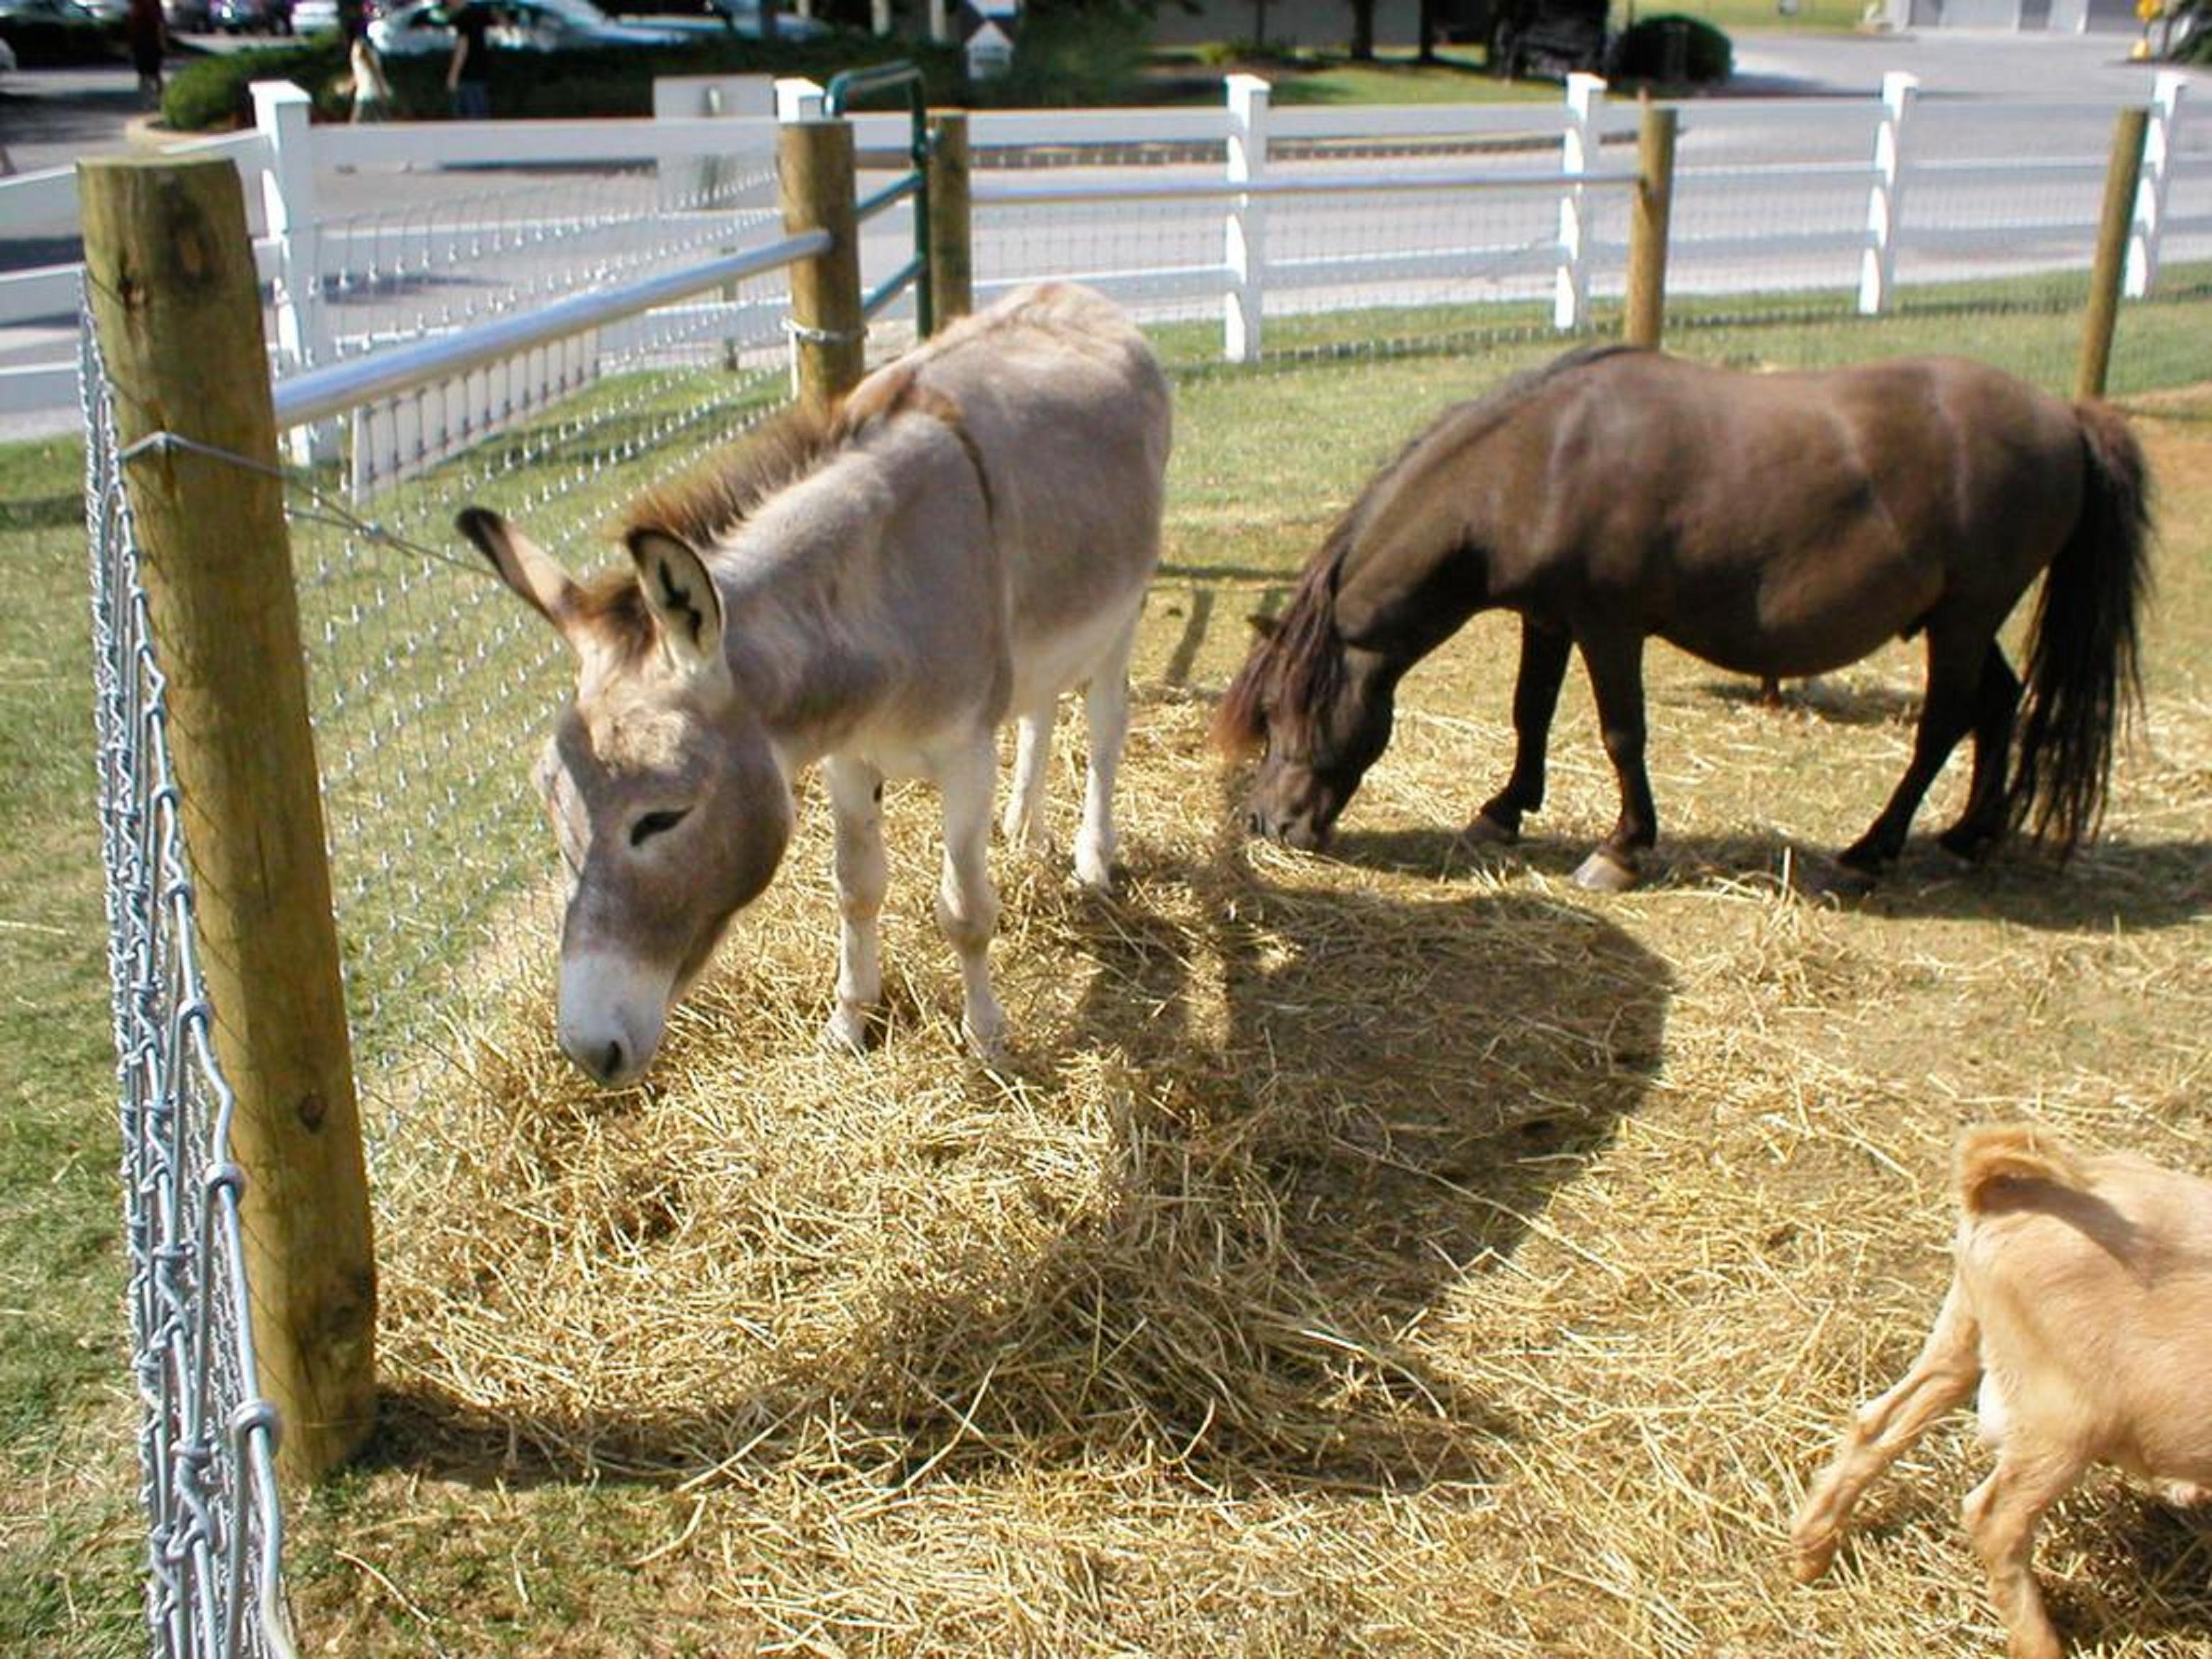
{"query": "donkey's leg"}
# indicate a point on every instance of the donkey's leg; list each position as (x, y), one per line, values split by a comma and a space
(1615, 662)
(1995, 700)
(1106, 716)
(2002, 1514)
(856, 802)
(967, 903)
(1954, 668)
(1884, 1428)
(1544, 653)
(1024, 823)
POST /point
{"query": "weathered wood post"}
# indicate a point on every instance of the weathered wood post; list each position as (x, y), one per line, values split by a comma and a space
(170, 271)
(1647, 229)
(815, 169)
(951, 274)
(2122, 174)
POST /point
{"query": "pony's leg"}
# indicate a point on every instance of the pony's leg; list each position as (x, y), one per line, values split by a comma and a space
(1954, 669)
(1883, 1429)
(1024, 823)
(1996, 701)
(1106, 716)
(1615, 662)
(967, 903)
(1544, 653)
(862, 873)
(2002, 1514)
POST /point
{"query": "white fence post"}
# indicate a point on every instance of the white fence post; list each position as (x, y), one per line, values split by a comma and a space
(1577, 151)
(1886, 199)
(1244, 232)
(281, 113)
(2160, 145)
(798, 100)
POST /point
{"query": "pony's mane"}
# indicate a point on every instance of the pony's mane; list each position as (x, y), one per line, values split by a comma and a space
(1297, 669)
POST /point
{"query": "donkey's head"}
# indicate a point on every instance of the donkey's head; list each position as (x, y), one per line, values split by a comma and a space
(667, 797)
(1319, 709)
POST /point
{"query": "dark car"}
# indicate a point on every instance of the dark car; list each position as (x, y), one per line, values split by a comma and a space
(48, 34)
(188, 16)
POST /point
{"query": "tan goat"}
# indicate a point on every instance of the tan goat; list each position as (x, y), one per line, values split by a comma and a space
(2081, 1302)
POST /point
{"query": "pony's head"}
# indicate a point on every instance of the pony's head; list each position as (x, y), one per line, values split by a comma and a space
(1318, 708)
(668, 804)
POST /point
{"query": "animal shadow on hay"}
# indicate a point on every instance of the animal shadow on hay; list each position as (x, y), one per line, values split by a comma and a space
(2146, 1569)
(1344, 1113)
(2140, 886)
(1830, 702)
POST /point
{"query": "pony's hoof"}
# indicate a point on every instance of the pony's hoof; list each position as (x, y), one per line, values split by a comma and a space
(1968, 847)
(1488, 832)
(1605, 872)
(1839, 881)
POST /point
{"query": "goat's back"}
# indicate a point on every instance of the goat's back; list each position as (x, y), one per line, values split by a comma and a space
(2091, 1278)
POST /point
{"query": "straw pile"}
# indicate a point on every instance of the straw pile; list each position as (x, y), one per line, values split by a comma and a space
(1399, 1253)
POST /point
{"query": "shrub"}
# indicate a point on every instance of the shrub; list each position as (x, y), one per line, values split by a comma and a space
(1648, 50)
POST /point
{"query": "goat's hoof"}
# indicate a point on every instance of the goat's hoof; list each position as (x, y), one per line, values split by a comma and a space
(1488, 832)
(1606, 872)
(1809, 1559)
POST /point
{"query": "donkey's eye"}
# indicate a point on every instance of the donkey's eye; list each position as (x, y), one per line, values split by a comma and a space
(655, 824)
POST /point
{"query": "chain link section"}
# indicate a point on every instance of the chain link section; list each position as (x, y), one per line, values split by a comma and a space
(207, 1438)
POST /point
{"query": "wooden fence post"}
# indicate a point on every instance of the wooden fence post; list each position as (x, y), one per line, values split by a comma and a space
(815, 169)
(2122, 174)
(951, 274)
(169, 269)
(1647, 229)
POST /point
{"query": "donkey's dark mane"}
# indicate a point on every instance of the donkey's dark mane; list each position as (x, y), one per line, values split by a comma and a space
(1296, 672)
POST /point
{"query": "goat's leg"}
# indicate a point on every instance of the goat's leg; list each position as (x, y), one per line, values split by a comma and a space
(967, 903)
(1944, 1375)
(2002, 1514)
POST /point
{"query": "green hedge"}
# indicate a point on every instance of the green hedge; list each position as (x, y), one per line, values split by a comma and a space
(1643, 52)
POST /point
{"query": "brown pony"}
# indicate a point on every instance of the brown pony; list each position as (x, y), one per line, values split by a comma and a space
(1769, 524)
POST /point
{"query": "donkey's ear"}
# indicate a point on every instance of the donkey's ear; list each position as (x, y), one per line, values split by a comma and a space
(1266, 627)
(524, 567)
(681, 595)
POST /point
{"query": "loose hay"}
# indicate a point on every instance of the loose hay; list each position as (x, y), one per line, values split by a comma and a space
(1397, 1254)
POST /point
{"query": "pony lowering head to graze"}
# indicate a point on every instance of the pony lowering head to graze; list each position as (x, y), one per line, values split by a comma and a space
(1771, 524)
(967, 537)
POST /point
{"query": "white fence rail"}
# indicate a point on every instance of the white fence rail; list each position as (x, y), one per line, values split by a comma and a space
(1770, 194)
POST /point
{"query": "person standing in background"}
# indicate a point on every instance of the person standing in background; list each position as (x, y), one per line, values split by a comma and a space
(149, 44)
(468, 76)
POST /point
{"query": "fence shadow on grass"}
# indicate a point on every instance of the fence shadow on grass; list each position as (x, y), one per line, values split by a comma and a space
(1340, 1111)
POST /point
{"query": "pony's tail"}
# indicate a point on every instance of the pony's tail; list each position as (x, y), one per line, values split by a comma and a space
(1996, 1154)
(2082, 677)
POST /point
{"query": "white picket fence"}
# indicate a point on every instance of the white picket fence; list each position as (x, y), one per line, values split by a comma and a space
(1236, 211)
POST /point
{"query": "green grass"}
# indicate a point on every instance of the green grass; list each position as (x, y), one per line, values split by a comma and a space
(68, 1452)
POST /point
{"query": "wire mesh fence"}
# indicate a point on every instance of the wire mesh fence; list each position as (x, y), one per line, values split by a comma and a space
(207, 1438)
(430, 685)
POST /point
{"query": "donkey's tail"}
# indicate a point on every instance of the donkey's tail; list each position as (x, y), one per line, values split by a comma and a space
(2083, 680)
(1995, 1153)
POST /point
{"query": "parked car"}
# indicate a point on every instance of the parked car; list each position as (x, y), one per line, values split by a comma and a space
(421, 26)
(252, 16)
(315, 17)
(44, 33)
(188, 16)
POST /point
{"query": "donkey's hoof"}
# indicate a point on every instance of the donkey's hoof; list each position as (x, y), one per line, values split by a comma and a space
(1605, 872)
(849, 1030)
(1488, 831)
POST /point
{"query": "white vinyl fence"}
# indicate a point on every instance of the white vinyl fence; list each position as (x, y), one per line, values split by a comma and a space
(1226, 215)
